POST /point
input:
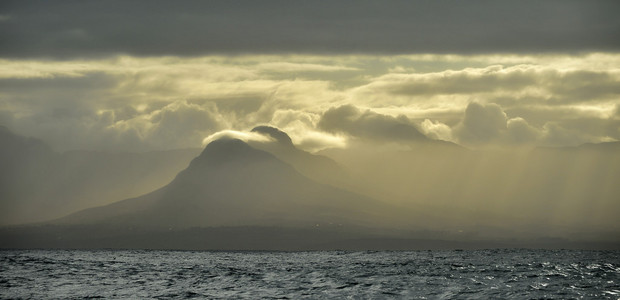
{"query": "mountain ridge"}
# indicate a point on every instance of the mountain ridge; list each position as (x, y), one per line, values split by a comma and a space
(231, 183)
(38, 184)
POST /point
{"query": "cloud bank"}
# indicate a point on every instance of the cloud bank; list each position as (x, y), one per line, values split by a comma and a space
(141, 104)
(350, 120)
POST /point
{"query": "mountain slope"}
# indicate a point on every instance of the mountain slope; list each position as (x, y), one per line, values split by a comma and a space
(317, 167)
(38, 184)
(233, 184)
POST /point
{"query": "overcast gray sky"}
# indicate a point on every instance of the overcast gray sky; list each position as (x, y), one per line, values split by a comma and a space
(69, 29)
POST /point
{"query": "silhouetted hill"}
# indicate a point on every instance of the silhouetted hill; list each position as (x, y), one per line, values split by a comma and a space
(317, 167)
(233, 184)
(15, 146)
(38, 184)
(280, 136)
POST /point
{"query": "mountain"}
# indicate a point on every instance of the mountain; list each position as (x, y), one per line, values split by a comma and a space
(317, 167)
(232, 184)
(38, 184)
(236, 197)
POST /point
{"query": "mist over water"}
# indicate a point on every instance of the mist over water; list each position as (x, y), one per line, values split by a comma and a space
(519, 274)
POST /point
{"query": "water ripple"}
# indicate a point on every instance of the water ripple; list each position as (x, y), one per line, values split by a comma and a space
(517, 274)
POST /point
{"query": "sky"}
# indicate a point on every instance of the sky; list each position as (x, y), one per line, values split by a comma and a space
(142, 76)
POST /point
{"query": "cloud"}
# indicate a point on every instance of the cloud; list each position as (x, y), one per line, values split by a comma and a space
(313, 140)
(288, 67)
(553, 135)
(616, 112)
(352, 121)
(156, 28)
(306, 139)
(133, 104)
(178, 124)
(300, 125)
(523, 83)
(436, 130)
(183, 124)
(283, 118)
(481, 124)
(466, 81)
(488, 125)
(520, 132)
(34, 69)
(125, 103)
(234, 134)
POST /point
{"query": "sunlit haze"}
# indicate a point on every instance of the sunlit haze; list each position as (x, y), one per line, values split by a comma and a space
(489, 121)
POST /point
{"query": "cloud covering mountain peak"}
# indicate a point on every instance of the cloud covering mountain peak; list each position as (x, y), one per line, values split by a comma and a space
(229, 149)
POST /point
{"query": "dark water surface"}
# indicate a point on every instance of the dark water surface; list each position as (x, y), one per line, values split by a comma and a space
(519, 274)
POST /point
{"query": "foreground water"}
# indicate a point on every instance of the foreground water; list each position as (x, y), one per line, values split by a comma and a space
(59, 274)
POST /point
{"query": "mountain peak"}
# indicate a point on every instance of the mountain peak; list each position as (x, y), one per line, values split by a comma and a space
(229, 149)
(226, 154)
(277, 134)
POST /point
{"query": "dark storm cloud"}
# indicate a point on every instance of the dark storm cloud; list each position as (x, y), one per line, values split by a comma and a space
(66, 29)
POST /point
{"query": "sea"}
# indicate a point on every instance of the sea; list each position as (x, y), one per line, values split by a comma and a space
(151, 274)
